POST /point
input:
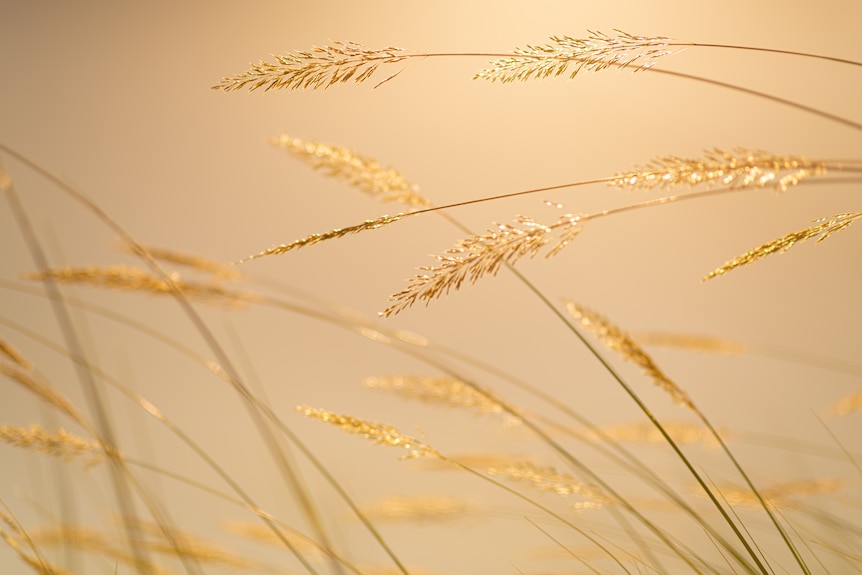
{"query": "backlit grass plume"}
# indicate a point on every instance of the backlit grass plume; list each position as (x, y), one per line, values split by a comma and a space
(616, 339)
(58, 443)
(378, 433)
(13, 354)
(783, 494)
(421, 508)
(823, 229)
(646, 432)
(482, 255)
(595, 52)
(192, 261)
(126, 278)
(330, 235)
(546, 478)
(444, 391)
(320, 67)
(739, 168)
(33, 383)
(362, 172)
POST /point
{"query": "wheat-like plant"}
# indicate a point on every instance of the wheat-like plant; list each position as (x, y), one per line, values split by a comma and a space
(738, 169)
(14, 355)
(481, 255)
(359, 171)
(58, 443)
(618, 340)
(443, 391)
(823, 229)
(421, 508)
(43, 390)
(329, 235)
(378, 433)
(320, 67)
(596, 52)
(546, 478)
(127, 278)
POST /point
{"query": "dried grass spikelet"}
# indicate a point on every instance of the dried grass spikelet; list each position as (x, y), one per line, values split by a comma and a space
(782, 494)
(593, 53)
(738, 169)
(151, 536)
(264, 534)
(320, 67)
(480, 255)
(646, 432)
(472, 460)
(45, 392)
(705, 343)
(36, 562)
(135, 279)
(423, 508)
(330, 235)
(93, 541)
(616, 339)
(364, 173)
(39, 565)
(546, 478)
(202, 552)
(444, 391)
(14, 355)
(849, 404)
(824, 228)
(59, 443)
(192, 261)
(378, 433)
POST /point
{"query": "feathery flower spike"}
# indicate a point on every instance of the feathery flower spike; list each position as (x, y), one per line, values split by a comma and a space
(136, 279)
(320, 67)
(824, 228)
(330, 235)
(60, 443)
(361, 172)
(594, 53)
(616, 339)
(739, 169)
(378, 433)
(436, 390)
(477, 256)
(424, 508)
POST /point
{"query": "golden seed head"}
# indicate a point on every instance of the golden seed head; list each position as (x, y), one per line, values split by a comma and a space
(135, 279)
(596, 52)
(364, 173)
(478, 256)
(59, 443)
(320, 67)
(436, 390)
(739, 168)
(378, 433)
(822, 229)
(418, 508)
(616, 339)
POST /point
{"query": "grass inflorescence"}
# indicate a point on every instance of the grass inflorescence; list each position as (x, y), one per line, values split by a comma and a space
(592, 488)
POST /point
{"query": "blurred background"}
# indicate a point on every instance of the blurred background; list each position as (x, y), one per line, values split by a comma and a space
(115, 99)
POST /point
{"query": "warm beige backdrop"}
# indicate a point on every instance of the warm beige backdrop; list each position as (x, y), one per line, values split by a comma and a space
(114, 98)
